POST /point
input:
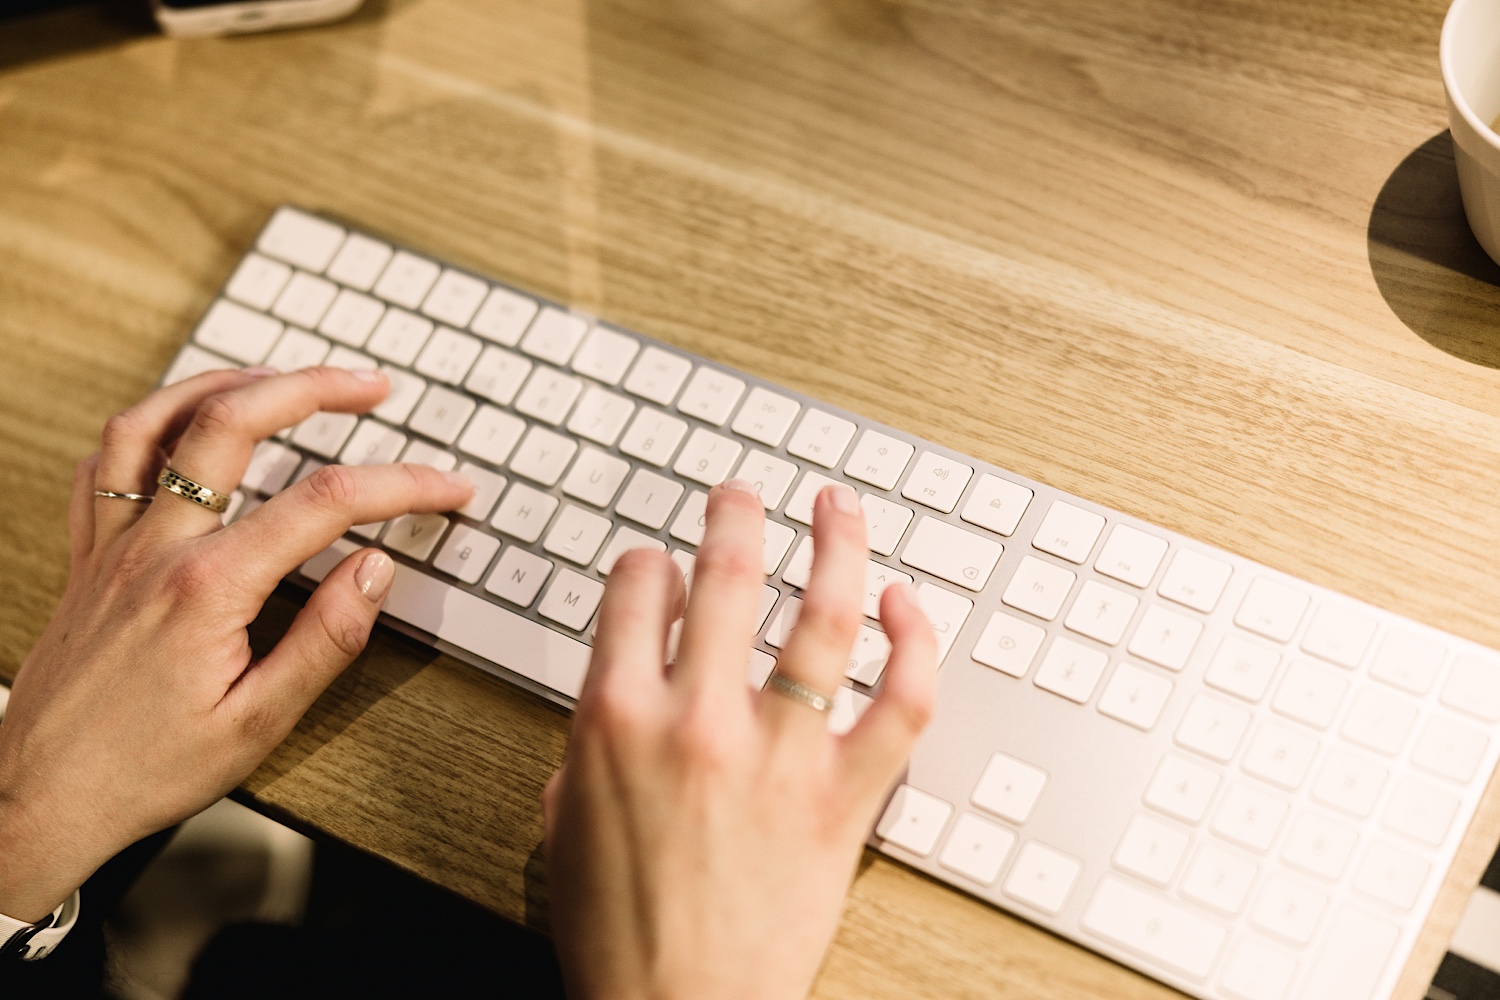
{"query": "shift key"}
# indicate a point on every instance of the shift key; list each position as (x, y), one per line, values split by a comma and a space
(956, 555)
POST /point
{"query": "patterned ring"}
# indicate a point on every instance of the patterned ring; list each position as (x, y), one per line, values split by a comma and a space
(799, 692)
(196, 492)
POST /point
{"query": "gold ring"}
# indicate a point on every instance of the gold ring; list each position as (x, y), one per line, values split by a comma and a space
(112, 495)
(196, 492)
(799, 692)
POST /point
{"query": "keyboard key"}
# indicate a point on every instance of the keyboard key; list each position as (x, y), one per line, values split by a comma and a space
(937, 482)
(1042, 877)
(271, 468)
(1150, 850)
(441, 414)
(1009, 788)
(524, 512)
(1218, 879)
(543, 455)
(977, 849)
(518, 576)
(1181, 788)
(1212, 728)
(596, 477)
(1310, 693)
(1349, 783)
(487, 488)
(454, 298)
(421, 453)
(399, 337)
(1380, 721)
(605, 354)
(800, 507)
(1242, 668)
(1155, 927)
(707, 457)
(653, 437)
(503, 317)
(1319, 846)
(406, 390)
(878, 460)
(1194, 580)
(415, 535)
(765, 417)
(1271, 609)
(1165, 638)
(913, 820)
(1249, 818)
(324, 434)
(954, 554)
(372, 443)
(1339, 634)
(236, 332)
(498, 375)
(351, 318)
(1135, 696)
(466, 554)
(300, 239)
(657, 375)
(304, 300)
(821, 438)
(1068, 532)
(1071, 670)
(600, 416)
(194, 361)
(1407, 661)
(257, 281)
(548, 395)
(297, 349)
(1131, 556)
(1451, 749)
(771, 476)
(1391, 875)
(554, 336)
(448, 356)
(491, 435)
(406, 280)
(692, 519)
(626, 539)
(1039, 587)
(576, 535)
(786, 620)
(1474, 687)
(1008, 644)
(885, 523)
(1280, 755)
(879, 576)
(867, 658)
(761, 665)
(526, 647)
(945, 611)
(1354, 953)
(996, 504)
(1420, 811)
(710, 396)
(1101, 613)
(359, 262)
(1256, 971)
(1288, 910)
(571, 600)
(649, 499)
(778, 539)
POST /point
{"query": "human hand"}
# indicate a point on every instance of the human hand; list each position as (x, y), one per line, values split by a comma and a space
(141, 704)
(701, 836)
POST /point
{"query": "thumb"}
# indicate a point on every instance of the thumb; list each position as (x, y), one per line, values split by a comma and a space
(325, 637)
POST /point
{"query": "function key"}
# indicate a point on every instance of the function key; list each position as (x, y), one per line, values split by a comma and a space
(657, 375)
(1068, 532)
(1339, 634)
(359, 262)
(1038, 587)
(1131, 556)
(1271, 609)
(1474, 687)
(766, 417)
(1195, 580)
(996, 504)
(878, 459)
(257, 281)
(1407, 661)
(821, 438)
(300, 239)
(407, 279)
(937, 482)
(711, 396)
(554, 336)
(455, 298)
(503, 317)
(604, 355)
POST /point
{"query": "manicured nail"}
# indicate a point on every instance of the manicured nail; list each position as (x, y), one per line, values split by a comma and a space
(743, 485)
(369, 375)
(263, 371)
(374, 576)
(843, 499)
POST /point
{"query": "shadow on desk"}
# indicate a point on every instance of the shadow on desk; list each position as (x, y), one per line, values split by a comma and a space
(1431, 270)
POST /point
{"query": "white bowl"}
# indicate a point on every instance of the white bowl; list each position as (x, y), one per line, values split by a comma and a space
(1470, 58)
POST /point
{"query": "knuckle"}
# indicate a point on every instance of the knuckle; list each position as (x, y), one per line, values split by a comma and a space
(347, 632)
(830, 619)
(192, 574)
(333, 487)
(638, 565)
(728, 561)
(219, 414)
(616, 712)
(123, 428)
(702, 740)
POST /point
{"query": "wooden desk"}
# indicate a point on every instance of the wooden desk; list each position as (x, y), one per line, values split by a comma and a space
(1201, 262)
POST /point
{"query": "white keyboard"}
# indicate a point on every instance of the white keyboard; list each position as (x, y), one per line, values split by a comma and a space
(1239, 783)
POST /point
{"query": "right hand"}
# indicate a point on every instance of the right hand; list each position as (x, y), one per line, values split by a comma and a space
(141, 704)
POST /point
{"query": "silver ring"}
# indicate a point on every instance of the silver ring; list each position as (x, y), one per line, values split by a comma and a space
(112, 495)
(799, 692)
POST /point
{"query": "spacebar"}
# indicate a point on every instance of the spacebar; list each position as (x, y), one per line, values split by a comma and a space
(471, 623)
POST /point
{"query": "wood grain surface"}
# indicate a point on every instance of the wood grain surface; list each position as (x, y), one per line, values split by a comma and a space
(1203, 262)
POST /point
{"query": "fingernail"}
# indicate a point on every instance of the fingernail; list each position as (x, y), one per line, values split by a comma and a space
(262, 371)
(742, 485)
(843, 499)
(374, 576)
(369, 375)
